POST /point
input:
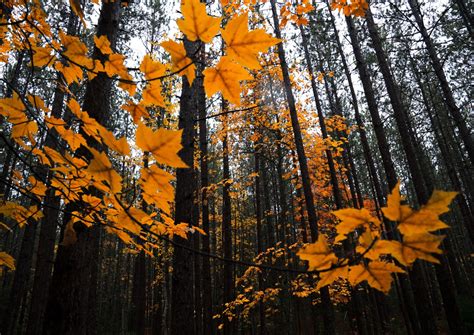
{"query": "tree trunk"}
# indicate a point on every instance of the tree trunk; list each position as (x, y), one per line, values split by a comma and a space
(182, 313)
(442, 272)
(449, 100)
(227, 224)
(71, 305)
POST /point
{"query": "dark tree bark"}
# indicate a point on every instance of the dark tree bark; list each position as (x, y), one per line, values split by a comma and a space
(328, 313)
(227, 224)
(182, 309)
(206, 265)
(71, 307)
(442, 272)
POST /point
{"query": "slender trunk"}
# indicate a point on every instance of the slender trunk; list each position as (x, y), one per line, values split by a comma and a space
(182, 314)
(258, 216)
(387, 162)
(449, 100)
(442, 272)
(206, 265)
(227, 224)
(72, 295)
(328, 313)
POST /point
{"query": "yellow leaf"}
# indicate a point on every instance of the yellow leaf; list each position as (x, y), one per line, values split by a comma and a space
(115, 66)
(394, 210)
(74, 140)
(440, 201)
(318, 255)
(196, 24)
(71, 73)
(151, 69)
(163, 144)
(14, 109)
(121, 145)
(103, 44)
(179, 59)
(329, 277)
(420, 222)
(377, 274)
(351, 219)
(127, 84)
(414, 246)
(154, 179)
(76, 51)
(42, 56)
(100, 168)
(38, 188)
(243, 45)
(225, 78)
(136, 111)
(7, 260)
(28, 129)
(152, 95)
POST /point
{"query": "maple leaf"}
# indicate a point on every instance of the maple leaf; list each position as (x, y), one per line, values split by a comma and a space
(42, 56)
(72, 73)
(115, 65)
(121, 145)
(196, 24)
(440, 201)
(164, 144)
(318, 255)
(136, 111)
(378, 274)
(419, 222)
(127, 84)
(180, 60)
(243, 45)
(28, 129)
(352, 218)
(154, 179)
(225, 77)
(13, 107)
(329, 277)
(152, 95)
(413, 247)
(151, 68)
(124, 220)
(75, 50)
(394, 210)
(103, 44)
(100, 168)
(74, 140)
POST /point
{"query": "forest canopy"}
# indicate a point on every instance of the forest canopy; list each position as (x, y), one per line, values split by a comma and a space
(236, 167)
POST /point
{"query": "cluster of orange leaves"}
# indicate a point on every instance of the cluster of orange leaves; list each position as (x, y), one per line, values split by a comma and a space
(297, 15)
(350, 7)
(93, 181)
(376, 256)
